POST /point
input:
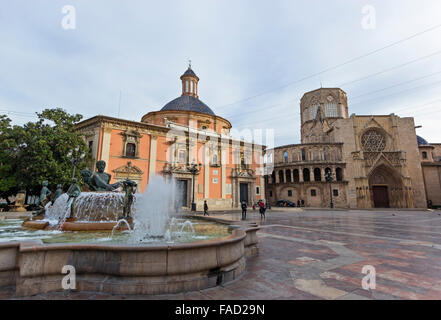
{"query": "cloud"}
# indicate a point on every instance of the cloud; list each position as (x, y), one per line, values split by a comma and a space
(239, 49)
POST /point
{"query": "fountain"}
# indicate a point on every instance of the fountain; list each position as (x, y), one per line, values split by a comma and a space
(122, 242)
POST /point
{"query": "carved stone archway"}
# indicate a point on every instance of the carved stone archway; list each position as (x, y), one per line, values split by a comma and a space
(386, 188)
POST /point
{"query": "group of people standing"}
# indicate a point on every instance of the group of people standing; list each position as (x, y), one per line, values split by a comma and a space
(260, 204)
(244, 206)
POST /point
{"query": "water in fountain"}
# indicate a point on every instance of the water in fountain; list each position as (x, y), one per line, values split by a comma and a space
(59, 210)
(152, 209)
(120, 221)
(187, 224)
(89, 206)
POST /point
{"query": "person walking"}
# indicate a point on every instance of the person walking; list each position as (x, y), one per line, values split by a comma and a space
(261, 209)
(244, 210)
(205, 208)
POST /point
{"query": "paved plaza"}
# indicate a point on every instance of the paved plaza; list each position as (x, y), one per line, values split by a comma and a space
(319, 254)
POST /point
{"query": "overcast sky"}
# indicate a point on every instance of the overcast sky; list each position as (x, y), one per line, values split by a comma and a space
(249, 56)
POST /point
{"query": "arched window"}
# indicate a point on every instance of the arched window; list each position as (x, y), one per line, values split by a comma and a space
(285, 156)
(288, 175)
(281, 176)
(130, 150)
(215, 162)
(303, 155)
(339, 174)
(327, 154)
(317, 174)
(306, 175)
(296, 175)
(273, 177)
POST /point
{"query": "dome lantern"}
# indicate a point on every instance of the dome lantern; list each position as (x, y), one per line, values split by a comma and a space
(190, 82)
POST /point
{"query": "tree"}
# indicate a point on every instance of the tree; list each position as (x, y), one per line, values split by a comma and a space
(37, 151)
(8, 146)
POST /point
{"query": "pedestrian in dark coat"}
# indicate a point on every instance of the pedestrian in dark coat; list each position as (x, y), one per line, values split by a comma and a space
(244, 210)
(205, 208)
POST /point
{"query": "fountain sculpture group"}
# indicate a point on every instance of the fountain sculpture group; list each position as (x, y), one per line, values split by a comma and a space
(118, 205)
(135, 267)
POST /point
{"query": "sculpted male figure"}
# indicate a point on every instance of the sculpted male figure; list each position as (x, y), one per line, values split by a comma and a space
(99, 181)
(44, 195)
(73, 192)
(58, 192)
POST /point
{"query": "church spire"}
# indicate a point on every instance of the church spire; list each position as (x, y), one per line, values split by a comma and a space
(190, 82)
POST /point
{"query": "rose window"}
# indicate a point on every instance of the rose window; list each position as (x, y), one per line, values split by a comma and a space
(373, 141)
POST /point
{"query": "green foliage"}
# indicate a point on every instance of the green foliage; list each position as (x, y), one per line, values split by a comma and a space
(37, 151)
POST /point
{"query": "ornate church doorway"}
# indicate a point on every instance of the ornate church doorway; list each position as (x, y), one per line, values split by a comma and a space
(381, 196)
(386, 188)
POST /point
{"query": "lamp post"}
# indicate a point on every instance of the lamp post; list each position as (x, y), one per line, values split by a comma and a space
(194, 170)
(75, 158)
(328, 177)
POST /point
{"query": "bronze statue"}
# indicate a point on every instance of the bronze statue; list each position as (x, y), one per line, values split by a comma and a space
(129, 188)
(44, 195)
(99, 181)
(73, 192)
(43, 199)
(58, 192)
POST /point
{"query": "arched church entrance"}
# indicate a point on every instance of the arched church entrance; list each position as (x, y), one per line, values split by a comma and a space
(386, 188)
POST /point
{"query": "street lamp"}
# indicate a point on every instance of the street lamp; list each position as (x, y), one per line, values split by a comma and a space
(194, 170)
(75, 159)
(328, 177)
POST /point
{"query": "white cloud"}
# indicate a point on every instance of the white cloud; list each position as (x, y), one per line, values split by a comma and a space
(238, 49)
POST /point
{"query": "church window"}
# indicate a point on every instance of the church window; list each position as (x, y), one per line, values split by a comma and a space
(373, 141)
(130, 150)
(313, 192)
(296, 175)
(339, 174)
(306, 175)
(317, 174)
(313, 111)
(289, 193)
(215, 161)
(288, 175)
(285, 156)
(424, 155)
(182, 156)
(331, 110)
(303, 155)
(335, 192)
(281, 180)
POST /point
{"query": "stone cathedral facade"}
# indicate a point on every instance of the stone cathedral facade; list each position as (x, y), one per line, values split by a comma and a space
(374, 160)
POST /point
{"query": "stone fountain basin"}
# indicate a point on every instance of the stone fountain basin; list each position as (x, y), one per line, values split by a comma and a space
(74, 225)
(33, 267)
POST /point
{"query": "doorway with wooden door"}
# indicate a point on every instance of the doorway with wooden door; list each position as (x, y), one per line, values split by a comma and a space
(381, 196)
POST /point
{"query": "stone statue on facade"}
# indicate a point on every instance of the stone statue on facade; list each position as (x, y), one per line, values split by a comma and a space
(99, 181)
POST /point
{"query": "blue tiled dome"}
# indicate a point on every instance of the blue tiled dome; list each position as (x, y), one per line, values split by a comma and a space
(188, 103)
(421, 141)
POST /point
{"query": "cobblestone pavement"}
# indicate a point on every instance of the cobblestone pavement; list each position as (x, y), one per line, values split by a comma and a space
(319, 254)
